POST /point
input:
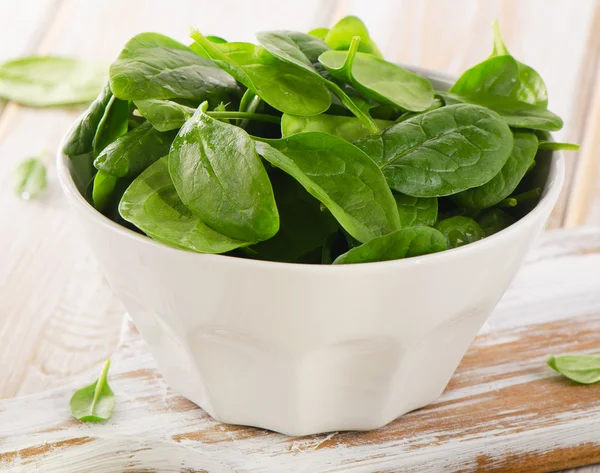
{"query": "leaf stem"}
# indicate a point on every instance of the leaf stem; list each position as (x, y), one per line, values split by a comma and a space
(499, 46)
(366, 119)
(358, 113)
(249, 103)
(263, 117)
(100, 385)
(556, 145)
(515, 200)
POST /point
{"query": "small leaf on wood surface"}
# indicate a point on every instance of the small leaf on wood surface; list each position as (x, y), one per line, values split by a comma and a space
(95, 402)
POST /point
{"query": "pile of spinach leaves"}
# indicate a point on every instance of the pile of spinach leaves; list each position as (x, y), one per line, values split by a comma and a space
(310, 148)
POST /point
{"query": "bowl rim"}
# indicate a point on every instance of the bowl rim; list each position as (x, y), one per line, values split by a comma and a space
(552, 188)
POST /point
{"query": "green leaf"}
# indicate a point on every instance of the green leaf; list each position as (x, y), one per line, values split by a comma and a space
(49, 81)
(514, 112)
(493, 220)
(319, 32)
(30, 178)
(506, 181)
(416, 211)
(80, 138)
(342, 33)
(282, 85)
(221, 179)
(151, 203)
(79, 142)
(164, 115)
(216, 39)
(95, 402)
(133, 152)
(378, 79)
(441, 152)
(304, 226)
(459, 231)
(293, 47)
(497, 75)
(557, 146)
(153, 66)
(113, 124)
(302, 51)
(583, 369)
(341, 176)
(530, 86)
(403, 243)
(104, 185)
(348, 128)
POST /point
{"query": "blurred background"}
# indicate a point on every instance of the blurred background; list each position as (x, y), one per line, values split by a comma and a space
(58, 318)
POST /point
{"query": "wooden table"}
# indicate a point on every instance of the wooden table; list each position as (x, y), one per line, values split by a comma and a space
(58, 318)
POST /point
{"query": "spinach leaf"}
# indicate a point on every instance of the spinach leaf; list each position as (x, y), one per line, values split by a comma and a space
(497, 75)
(249, 103)
(340, 36)
(557, 146)
(133, 152)
(348, 128)
(282, 85)
(583, 369)
(493, 220)
(378, 79)
(319, 32)
(221, 179)
(530, 86)
(113, 124)
(506, 181)
(293, 47)
(441, 152)
(50, 81)
(216, 39)
(304, 226)
(30, 178)
(459, 231)
(95, 402)
(151, 203)
(302, 51)
(79, 142)
(405, 243)
(153, 66)
(80, 138)
(416, 211)
(514, 112)
(164, 115)
(103, 187)
(341, 176)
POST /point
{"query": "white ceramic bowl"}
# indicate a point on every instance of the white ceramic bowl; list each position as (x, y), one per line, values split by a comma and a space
(303, 349)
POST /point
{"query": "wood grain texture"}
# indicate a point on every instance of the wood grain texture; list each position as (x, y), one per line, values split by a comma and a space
(503, 411)
(583, 206)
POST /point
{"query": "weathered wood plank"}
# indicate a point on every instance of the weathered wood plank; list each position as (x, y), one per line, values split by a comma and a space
(22, 26)
(584, 200)
(504, 410)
